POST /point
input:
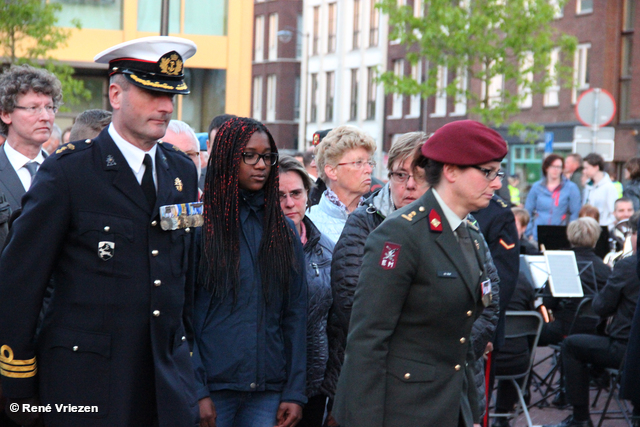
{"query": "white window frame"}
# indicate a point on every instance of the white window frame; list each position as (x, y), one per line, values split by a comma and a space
(525, 64)
(559, 12)
(258, 48)
(440, 99)
(551, 96)
(415, 101)
(460, 105)
(580, 10)
(580, 64)
(273, 37)
(271, 97)
(257, 98)
(397, 99)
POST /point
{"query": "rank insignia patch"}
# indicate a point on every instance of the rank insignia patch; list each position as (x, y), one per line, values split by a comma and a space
(435, 222)
(389, 257)
(105, 250)
(506, 245)
(178, 184)
(110, 160)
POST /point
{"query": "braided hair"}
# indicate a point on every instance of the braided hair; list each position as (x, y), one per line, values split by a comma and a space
(220, 261)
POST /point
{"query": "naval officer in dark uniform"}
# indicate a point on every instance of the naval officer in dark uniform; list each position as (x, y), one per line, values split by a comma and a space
(408, 360)
(112, 349)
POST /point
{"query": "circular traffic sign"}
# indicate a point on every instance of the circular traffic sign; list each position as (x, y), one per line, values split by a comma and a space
(595, 107)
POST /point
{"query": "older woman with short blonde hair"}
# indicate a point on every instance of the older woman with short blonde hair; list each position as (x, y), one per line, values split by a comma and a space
(345, 163)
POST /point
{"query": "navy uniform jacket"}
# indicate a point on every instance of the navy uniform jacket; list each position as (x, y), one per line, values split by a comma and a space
(408, 358)
(113, 335)
(498, 225)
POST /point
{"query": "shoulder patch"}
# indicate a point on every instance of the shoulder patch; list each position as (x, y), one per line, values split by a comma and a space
(72, 148)
(389, 257)
(506, 245)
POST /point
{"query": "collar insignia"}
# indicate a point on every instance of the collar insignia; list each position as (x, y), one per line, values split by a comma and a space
(110, 160)
(435, 222)
(178, 183)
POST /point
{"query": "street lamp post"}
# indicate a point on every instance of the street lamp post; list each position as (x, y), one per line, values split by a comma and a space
(164, 18)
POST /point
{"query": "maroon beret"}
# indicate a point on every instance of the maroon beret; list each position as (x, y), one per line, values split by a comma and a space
(465, 143)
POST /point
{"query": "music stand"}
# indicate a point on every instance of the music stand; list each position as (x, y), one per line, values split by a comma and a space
(564, 277)
(554, 237)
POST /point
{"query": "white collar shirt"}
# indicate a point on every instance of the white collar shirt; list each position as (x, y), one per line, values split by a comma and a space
(19, 160)
(134, 155)
(453, 219)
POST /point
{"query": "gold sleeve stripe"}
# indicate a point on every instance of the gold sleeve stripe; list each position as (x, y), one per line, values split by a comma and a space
(10, 374)
(7, 367)
(6, 357)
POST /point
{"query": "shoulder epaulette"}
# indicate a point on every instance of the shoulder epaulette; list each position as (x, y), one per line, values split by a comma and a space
(171, 148)
(73, 147)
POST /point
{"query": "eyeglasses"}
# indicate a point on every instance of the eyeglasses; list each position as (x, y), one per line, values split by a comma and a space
(295, 195)
(490, 174)
(34, 111)
(252, 159)
(359, 164)
(402, 177)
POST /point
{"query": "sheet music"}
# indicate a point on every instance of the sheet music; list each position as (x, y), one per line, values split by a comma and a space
(538, 268)
(564, 279)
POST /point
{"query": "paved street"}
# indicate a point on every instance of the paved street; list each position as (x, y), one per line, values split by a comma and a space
(552, 415)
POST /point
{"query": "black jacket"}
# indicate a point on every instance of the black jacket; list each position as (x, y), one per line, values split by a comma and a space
(5, 214)
(317, 254)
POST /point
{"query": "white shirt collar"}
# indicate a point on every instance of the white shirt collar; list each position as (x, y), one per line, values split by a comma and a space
(17, 159)
(453, 219)
(132, 154)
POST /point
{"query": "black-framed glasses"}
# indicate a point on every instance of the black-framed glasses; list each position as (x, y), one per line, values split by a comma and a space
(490, 174)
(252, 159)
(401, 177)
(359, 164)
(34, 111)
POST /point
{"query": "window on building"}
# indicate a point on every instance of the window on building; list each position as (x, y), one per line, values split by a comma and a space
(206, 102)
(440, 107)
(296, 99)
(584, 6)
(205, 18)
(100, 15)
(374, 24)
(316, 30)
(418, 8)
(581, 70)
(398, 99)
(524, 90)
(558, 9)
(333, 27)
(356, 24)
(550, 98)
(353, 108)
(271, 97)
(257, 97)
(313, 111)
(258, 39)
(460, 106)
(201, 18)
(496, 87)
(415, 101)
(629, 13)
(299, 38)
(625, 74)
(329, 96)
(273, 36)
(371, 93)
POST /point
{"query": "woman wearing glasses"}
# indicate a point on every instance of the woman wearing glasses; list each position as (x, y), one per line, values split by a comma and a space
(318, 250)
(345, 162)
(250, 310)
(554, 200)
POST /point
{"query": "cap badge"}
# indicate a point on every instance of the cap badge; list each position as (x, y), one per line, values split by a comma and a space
(105, 250)
(316, 139)
(435, 222)
(110, 160)
(171, 64)
(178, 184)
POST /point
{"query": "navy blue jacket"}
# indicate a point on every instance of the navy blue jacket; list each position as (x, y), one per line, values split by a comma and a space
(114, 332)
(251, 345)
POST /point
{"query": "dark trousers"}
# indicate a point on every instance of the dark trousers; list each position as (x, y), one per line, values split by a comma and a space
(580, 350)
(313, 412)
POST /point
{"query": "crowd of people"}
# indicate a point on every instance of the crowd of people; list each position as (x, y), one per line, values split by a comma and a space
(139, 287)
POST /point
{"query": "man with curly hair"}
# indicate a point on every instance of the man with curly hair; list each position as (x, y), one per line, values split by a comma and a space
(29, 100)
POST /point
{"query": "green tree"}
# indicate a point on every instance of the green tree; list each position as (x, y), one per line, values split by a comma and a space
(482, 40)
(28, 33)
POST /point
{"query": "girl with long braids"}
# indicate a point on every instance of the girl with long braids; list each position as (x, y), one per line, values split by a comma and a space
(251, 300)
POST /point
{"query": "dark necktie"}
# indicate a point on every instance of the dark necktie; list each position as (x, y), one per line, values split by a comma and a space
(467, 249)
(32, 167)
(148, 188)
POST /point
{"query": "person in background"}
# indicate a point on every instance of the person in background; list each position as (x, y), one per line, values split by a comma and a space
(522, 221)
(298, 155)
(66, 134)
(320, 185)
(309, 162)
(215, 124)
(632, 187)
(182, 136)
(250, 314)
(600, 191)
(623, 210)
(589, 211)
(614, 179)
(318, 250)
(573, 170)
(29, 100)
(514, 191)
(89, 124)
(345, 162)
(582, 352)
(554, 200)
(406, 184)
(53, 142)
